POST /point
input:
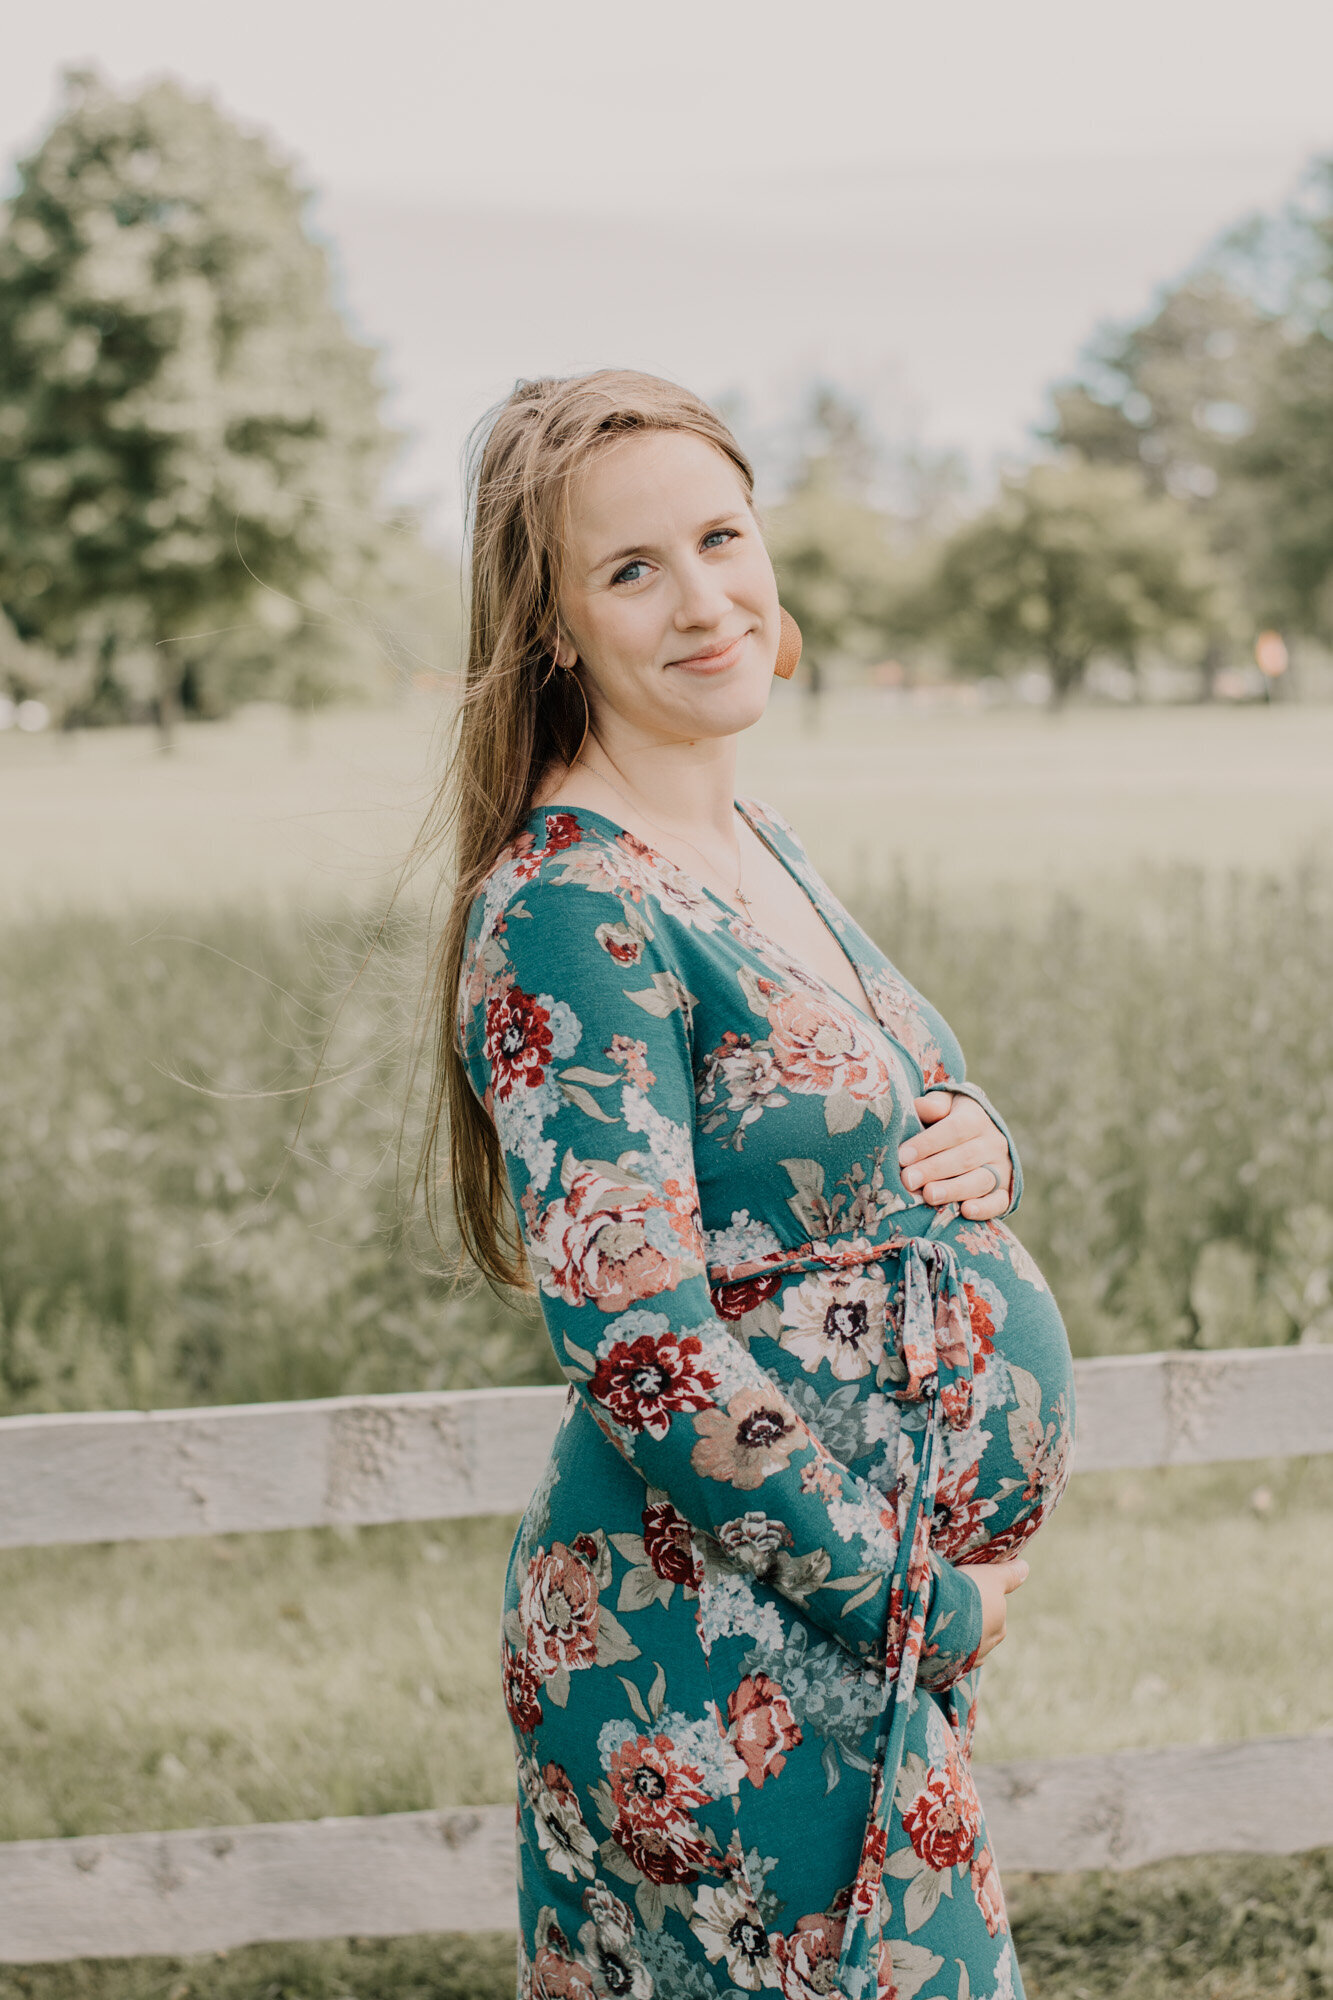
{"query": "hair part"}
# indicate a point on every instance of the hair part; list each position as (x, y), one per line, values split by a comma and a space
(517, 715)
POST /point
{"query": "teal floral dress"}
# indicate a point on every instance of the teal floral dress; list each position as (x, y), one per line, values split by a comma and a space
(739, 1647)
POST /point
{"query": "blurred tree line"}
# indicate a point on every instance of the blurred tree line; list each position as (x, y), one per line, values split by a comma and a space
(1186, 504)
(191, 444)
(192, 450)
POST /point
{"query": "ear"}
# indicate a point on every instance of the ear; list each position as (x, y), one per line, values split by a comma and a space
(563, 653)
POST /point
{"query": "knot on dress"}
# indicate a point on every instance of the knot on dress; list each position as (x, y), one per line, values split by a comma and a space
(933, 1330)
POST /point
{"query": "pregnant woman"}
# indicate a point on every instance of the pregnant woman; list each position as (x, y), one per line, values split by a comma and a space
(820, 1395)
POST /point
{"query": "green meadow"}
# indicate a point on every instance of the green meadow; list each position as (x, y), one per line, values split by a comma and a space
(1128, 915)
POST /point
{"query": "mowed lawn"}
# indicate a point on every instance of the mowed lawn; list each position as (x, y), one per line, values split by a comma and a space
(264, 807)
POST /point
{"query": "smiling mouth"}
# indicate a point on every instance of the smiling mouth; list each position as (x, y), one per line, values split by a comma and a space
(714, 659)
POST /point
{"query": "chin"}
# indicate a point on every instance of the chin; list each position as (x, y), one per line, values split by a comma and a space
(730, 710)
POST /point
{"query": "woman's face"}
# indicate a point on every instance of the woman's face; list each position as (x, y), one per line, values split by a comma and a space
(668, 601)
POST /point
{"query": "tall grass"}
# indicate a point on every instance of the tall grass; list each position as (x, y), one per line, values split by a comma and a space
(166, 1234)
(166, 1237)
(1168, 1068)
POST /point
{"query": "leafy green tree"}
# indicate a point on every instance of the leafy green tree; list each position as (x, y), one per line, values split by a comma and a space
(1071, 561)
(186, 425)
(1287, 452)
(832, 547)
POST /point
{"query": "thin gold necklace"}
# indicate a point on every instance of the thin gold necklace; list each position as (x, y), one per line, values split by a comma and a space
(738, 894)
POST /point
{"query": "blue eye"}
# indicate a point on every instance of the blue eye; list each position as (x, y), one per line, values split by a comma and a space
(624, 575)
(720, 535)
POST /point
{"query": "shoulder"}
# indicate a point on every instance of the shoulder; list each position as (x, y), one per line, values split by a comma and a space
(575, 905)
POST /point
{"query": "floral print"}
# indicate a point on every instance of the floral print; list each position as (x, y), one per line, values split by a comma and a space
(739, 1638)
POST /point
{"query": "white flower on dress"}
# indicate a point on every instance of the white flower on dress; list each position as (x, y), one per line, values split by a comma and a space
(728, 1926)
(837, 1317)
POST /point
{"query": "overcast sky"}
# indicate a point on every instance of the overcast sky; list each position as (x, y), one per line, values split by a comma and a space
(934, 203)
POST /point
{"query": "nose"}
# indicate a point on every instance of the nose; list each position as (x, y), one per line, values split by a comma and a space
(703, 600)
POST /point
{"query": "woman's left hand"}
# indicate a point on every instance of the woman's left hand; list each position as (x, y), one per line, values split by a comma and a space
(961, 1156)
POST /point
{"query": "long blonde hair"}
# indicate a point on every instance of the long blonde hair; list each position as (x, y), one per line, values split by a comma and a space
(517, 716)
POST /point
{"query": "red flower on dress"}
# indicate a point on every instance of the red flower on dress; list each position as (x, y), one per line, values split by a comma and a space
(642, 1381)
(734, 1301)
(562, 830)
(650, 1784)
(520, 1684)
(559, 1611)
(763, 1728)
(667, 1545)
(518, 1041)
(655, 1792)
(983, 1327)
(870, 1873)
(673, 1852)
(944, 1818)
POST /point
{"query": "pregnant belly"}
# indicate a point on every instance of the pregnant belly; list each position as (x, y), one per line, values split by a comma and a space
(829, 1340)
(1003, 1474)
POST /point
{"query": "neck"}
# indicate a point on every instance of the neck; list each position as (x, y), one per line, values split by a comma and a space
(690, 785)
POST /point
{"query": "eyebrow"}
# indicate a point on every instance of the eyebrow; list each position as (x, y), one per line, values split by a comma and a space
(643, 548)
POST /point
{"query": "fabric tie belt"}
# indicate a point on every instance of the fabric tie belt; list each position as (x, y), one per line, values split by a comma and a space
(935, 1341)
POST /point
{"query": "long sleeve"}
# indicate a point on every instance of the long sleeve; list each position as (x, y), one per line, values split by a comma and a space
(580, 1049)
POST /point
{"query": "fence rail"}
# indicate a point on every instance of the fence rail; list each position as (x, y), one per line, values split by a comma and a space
(133, 1476)
(160, 1474)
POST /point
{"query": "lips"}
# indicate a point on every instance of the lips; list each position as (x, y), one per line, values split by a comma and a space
(715, 659)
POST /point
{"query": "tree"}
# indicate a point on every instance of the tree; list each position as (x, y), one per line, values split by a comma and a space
(186, 425)
(1287, 451)
(831, 547)
(1070, 562)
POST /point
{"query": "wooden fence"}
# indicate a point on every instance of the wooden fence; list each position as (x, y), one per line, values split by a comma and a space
(371, 1459)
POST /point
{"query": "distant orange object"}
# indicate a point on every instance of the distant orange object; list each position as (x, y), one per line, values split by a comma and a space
(1270, 653)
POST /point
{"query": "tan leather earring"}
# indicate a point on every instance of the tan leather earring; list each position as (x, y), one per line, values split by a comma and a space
(789, 647)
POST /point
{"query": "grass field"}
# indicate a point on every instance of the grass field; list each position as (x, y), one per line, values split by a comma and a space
(259, 810)
(1165, 1041)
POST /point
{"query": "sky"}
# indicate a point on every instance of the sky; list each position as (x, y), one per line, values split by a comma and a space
(933, 206)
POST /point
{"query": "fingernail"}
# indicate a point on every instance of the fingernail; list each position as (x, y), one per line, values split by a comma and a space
(913, 1179)
(906, 1154)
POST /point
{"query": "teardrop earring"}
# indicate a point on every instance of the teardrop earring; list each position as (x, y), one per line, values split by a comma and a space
(789, 647)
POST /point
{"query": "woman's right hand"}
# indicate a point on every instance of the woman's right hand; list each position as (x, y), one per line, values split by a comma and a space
(995, 1581)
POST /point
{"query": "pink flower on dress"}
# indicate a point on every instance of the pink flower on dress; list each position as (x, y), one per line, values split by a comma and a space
(987, 1890)
(595, 1240)
(559, 1610)
(807, 1957)
(819, 1049)
(763, 1728)
(749, 1441)
(632, 1056)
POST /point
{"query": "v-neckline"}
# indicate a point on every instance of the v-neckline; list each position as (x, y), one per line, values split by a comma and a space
(866, 1013)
